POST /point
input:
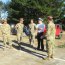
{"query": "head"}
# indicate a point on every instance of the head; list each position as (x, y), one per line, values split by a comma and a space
(50, 19)
(4, 21)
(32, 21)
(40, 20)
(21, 20)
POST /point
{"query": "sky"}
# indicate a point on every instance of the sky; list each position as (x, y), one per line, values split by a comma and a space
(5, 14)
(5, 1)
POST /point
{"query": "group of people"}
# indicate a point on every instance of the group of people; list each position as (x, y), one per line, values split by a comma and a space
(35, 31)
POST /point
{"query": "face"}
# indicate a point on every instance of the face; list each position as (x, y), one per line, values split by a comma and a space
(50, 19)
(21, 20)
(5, 22)
(39, 22)
(32, 21)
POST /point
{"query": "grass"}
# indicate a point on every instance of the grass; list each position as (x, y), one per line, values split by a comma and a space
(61, 46)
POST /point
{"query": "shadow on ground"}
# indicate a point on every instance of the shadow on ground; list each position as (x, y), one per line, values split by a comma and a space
(28, 50)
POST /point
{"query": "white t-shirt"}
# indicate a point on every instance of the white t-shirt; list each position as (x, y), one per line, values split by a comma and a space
(42, 26)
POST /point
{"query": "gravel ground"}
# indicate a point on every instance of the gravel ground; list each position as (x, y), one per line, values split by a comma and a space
(29, 56)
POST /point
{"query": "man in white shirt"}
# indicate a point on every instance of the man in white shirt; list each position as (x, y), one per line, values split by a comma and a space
(40, 30)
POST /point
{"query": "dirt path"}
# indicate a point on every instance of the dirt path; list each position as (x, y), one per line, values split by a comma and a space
(29, 56)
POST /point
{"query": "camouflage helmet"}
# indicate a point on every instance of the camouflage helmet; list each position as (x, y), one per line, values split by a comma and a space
(50, 17)
(4, 20)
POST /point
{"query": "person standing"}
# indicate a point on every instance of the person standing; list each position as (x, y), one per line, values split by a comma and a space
(19, 27)
(32, 27)
(40, 30)
(51, 37)
(6, 32)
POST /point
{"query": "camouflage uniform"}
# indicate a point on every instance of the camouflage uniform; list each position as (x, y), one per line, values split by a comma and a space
(6, 32)
(19, 28)
(32, 33)
(51, 39)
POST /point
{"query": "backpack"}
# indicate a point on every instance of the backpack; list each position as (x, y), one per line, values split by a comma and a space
(26, 30)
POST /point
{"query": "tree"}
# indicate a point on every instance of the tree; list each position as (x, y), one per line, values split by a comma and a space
(34, 8)
(1, 7)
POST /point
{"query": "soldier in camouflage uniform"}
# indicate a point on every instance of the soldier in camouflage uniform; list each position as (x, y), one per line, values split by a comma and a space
(51, 37)
(6, 32)
(32, 27)
(19, 27)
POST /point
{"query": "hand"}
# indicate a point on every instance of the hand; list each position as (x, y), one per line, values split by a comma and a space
(41, 37)
(47, 38)
(46, 35)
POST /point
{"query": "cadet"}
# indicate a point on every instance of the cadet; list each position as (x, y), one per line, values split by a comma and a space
(6, 32)
(32, 27)
(40, 31)
(19, 27)
(51, 37)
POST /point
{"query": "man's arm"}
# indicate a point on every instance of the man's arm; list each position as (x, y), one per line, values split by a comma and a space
(48, 32)
(16, 27)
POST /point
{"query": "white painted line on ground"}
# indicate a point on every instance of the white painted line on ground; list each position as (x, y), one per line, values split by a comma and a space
(59, 59)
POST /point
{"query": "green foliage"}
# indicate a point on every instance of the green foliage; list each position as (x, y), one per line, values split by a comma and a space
(61, 46)
(1, 4)
(1, 7)
(34, 8)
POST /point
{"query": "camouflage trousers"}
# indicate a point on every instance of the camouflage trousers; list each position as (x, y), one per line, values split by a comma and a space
(50, 48)
(19, 37)
(7, 38)
(32, 39)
